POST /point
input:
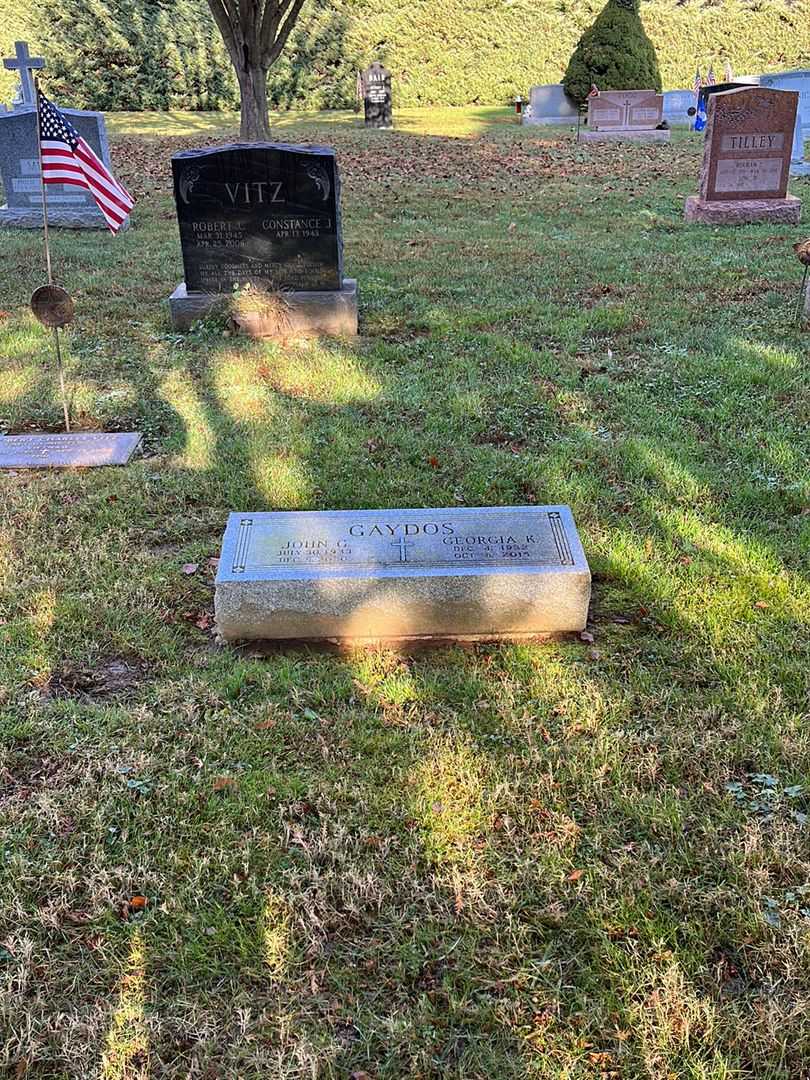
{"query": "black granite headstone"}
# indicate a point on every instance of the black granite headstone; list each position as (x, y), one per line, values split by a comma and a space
(264, 214)
(377, 96)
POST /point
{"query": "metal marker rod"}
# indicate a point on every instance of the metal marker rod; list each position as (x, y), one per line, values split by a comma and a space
(61, 371)
(802, 295)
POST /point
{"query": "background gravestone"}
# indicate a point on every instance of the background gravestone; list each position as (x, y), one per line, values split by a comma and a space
(746, 159)
(264, 215)
(69, 206)
(377, 96)
(677, 104)
(549, 104)
(793, 80)
(634, 115)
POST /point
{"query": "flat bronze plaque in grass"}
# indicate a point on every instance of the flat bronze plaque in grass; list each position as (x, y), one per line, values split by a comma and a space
(412, 573)
(79, 450)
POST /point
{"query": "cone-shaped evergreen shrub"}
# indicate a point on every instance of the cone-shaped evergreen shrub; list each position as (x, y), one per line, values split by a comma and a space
(614, 52)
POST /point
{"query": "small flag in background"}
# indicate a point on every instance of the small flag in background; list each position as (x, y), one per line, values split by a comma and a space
(700, 103)
(68, 159)
(594, 90)
(710, 79)
(728, 74)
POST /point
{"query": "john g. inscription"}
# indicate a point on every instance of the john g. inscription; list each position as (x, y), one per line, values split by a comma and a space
(264, 214)
(395, 573)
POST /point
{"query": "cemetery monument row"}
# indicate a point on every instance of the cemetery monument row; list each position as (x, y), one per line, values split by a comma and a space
(746, 159)
(417, 573)
(377, 96)
(264, 215)
(69, 206)
(633, 115)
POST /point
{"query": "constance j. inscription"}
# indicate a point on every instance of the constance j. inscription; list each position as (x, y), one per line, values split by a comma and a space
(263, 214)
(401, 573)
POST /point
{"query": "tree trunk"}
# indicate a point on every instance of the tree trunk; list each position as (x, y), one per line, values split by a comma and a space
(255, 122)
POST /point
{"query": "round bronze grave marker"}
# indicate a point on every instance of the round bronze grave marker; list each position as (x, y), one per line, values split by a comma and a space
(52, 305)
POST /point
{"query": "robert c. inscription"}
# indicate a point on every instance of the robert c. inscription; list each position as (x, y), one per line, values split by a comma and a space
(264, 214)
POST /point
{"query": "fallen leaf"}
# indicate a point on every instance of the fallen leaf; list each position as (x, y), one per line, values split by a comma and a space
(761, 604)
(585, 636)
(191, 568)
(433, 462)
(265, 725)
(224, 783)
(575, 875)
(137, 903)
(204, 621)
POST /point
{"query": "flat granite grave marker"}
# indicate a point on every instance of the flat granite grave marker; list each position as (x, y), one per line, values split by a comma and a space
(264, 215)
(386, 574)
(73, 451)
(634, 115)
(377, 96)
(746, 159)
(69, 206)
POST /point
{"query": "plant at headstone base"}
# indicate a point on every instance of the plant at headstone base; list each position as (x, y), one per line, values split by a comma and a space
(269, 307)
(614, 54)
(255, 33)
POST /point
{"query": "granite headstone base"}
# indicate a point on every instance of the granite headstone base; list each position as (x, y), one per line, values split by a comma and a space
(785, 211)
(415, 574)
(330, 312)
(23, 217)
(645, 136)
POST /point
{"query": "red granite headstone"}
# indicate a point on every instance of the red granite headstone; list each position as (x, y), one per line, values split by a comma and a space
(746, 158)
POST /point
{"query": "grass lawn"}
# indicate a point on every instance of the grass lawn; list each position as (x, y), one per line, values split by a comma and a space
(571, 860)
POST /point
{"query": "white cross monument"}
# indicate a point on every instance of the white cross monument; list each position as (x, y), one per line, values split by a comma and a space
(24, 64)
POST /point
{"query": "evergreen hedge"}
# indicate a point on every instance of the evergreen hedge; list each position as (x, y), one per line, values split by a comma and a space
(613, 54)
(158, 54)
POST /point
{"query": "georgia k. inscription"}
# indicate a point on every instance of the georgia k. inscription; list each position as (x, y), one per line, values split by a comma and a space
(263, 214)
(329, 541)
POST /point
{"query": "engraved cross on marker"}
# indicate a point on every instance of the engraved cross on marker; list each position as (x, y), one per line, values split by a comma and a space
(403, 545)
(24, 64)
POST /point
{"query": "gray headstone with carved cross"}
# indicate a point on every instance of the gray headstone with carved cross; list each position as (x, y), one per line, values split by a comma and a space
(69, 207)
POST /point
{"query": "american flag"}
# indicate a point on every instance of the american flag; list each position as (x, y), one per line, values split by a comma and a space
(698, 82)
(710, 79)
(68, 159)
(594, 90)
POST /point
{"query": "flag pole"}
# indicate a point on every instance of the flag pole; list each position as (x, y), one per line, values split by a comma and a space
(43, 186)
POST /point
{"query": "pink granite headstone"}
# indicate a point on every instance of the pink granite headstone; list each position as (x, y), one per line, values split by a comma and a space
(625, 114)
(746, 158)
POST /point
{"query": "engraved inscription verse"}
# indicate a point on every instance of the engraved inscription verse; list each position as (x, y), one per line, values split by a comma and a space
(748, 174)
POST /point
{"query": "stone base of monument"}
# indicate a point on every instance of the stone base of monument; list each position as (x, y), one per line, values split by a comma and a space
(742, 211)
(402, 575)
(654, 135)
(21, 217)
(331, 312)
